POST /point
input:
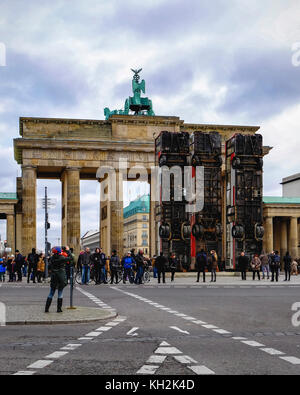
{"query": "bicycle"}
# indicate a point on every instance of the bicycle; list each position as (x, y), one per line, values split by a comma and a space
(120, 275)
(78, 276)
(146, 275)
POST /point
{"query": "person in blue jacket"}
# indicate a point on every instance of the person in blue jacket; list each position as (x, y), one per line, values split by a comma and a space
(128, 263)
(2, 270)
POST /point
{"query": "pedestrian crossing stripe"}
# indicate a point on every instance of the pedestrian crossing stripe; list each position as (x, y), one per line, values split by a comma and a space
(164, 351)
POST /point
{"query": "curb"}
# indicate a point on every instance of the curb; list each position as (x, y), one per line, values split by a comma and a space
(110, 314)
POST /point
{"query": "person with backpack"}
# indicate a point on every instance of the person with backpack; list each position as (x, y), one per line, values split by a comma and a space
(201, 264)
(140, 265)
(275, 265)
(32, 259)
(128, 263)
(114, 265)
(287, 259)
(58, 276)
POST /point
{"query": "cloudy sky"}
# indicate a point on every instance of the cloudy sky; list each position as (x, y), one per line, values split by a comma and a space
(207, 61)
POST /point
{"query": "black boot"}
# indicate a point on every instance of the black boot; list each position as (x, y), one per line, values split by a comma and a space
(48, 304)
(59, 305)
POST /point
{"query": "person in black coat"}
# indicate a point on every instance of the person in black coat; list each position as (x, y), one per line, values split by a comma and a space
(19, 264)
(32, 259)
(287, 259)
(201, 264)
(173, 264)
(160, 264)
(243, 263)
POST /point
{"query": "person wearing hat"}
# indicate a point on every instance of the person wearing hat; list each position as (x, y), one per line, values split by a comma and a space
(58, 276)
(128, 263)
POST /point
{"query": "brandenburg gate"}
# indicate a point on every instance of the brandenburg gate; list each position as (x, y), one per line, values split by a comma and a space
(72, 150)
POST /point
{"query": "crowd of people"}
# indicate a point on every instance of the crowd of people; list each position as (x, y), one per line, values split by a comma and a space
(269, 265)
(131, 267)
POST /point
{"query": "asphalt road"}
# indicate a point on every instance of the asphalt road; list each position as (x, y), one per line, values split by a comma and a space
(183, 329)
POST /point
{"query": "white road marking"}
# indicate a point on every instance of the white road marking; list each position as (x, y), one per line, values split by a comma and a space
(163, 344)
(24, 373)
(198, 322)
(93, 334)
(252, 343)
(239, 338)
(57, 354)
(201, 370)
(189, 318)
(210, 326)
(167, 350)
(272, 351)
(147, 369)
(112, 324)
(222, 331)
(71, 347)
(184, 359)
(103, 328)
(157, 359)
(292, 360)
(40, 364)
(131, 332)
(85, 338)
(179, 330)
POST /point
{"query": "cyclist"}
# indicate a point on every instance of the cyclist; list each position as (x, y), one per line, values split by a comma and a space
(128, 263)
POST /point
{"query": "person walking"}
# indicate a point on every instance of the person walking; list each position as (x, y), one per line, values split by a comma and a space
(57, 266)
(243, 264)
(287, 259)
(140, 265)
(214, 265)
(19, 265)
(256, 265)
(114, 265)
(2, 270)
(86, 266)
(33, 259)
(41, 268)
(201, 264)
(275, 265)
(128, 263)
(161, 263)
(265, 266)
(173, 264)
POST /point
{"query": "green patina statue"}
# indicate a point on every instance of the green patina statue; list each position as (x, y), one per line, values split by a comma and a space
(139, 105)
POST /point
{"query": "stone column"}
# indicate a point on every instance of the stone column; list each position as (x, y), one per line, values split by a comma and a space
(152, 217)
(268, 238)
(116, 218)
(111, 213)
(73, 208)
(293, 242)
(29, 208)
(283, 238)
(10, 232)
(64, 208)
